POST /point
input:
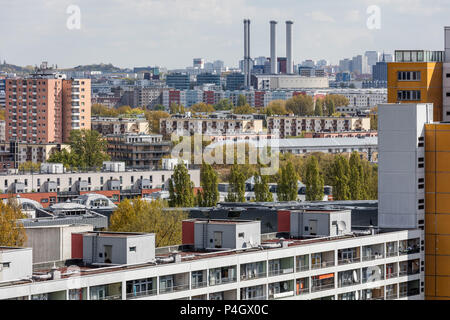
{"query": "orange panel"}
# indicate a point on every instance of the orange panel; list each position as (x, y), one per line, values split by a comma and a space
(430, 143)
(430, 164)
(443, 204)
(443, 161)
(442, 245)
(430, 183)
(430, 264)
(442, 182)
(430, 288)
(442, 140)
(443, 266)
(430, 244)
(430, 203)
(430, 223)
(443, 223)
(443, 286)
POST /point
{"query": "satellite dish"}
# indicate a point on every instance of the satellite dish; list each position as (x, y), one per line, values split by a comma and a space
(341, 225)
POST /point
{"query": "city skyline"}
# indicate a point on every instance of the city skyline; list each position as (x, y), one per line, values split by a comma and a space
(130, 33)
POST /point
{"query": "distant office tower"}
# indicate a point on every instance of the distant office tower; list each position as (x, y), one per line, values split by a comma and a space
(289, 49)
(379, 70)
(273, 47)
(309, 63)
(322, 63)
(345, 65)
(416, 76)
(199, 63)
(260, 61)
(359, 65)
(372, 58)
(388, 57)
(235, 81)
(178, 81)
(44, 109)
(282, 65)
(204, 78)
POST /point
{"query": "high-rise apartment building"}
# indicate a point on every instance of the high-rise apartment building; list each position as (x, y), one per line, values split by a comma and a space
(416, 77)
(44, 108)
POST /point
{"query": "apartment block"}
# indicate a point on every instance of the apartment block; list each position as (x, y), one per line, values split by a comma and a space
(183, 126)
(294, 126)
(119, 126)
(138, 150)
(233, 261)
(416, 77)
(44, 109)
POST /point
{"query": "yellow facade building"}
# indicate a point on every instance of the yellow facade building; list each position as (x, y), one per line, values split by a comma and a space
(416, 77)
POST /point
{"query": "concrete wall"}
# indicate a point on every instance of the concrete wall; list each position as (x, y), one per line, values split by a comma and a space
(52, 243)
(399, 128)
(145, 249)
(20, 263)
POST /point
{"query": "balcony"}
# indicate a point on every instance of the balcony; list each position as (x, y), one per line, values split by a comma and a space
(199, 285)
(324, 287)
(114, 297)
(253, 276)
(141, 294)
(178, 288)
(321, 265)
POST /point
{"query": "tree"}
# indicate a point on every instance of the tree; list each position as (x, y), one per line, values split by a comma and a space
(356, 183)
(153, 118)
(103, 111)
(262, 191)
(209, 196)
(124, 110)
(301, 105)
(89, 146)
(288, 184)
(330, 105)
(373, 118)
(236, 188)
(276, 107)
(30, 166)
(181, 188)
(245, 109)
(68, 159)
(340, 175)
(313, 181)
(176, 109)
(2, 114)
(318, 110)
(12, 233)
(202, 107)
(242, 100)
(138, 215)
(224, 104)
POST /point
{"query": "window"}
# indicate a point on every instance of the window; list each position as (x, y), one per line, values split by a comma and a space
(132, 249)
(6, 265)
(241, 235)
(409, 76)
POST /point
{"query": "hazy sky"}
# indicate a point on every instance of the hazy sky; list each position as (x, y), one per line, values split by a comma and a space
(171, 33)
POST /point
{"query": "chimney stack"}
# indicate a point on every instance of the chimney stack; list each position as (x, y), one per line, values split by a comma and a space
(247, 52)
(273, 48)
(289, 62)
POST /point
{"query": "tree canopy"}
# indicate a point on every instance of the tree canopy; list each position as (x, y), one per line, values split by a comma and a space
(12, 233)
(181, 188)
(313, 180)
(276, 107)
(202, 107)
(236, 188)
(301, 105)
(138, 215)
(287, 189)
(209, 196)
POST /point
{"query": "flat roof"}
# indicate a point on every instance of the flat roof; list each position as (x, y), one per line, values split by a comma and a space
(219, 221)
(115, 234)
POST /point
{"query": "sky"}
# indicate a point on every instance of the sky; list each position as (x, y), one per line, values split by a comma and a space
(170, 33)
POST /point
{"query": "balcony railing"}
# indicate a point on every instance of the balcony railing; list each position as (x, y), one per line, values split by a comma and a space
(280, 272)
(323, 264)
(197, 285)
(372, 257)
(221, 281)
(255, 298)
(281, 295)
(113, 297)
(303, 291)
(252, 276)
(391, 254)
(174, 288)
(349, 261)
(391, 297)
(302, 268)
(142, 294)
(316, 288)
(391, 275)
(343, 284)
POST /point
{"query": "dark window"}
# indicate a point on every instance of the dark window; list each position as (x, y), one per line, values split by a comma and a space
(132, 249)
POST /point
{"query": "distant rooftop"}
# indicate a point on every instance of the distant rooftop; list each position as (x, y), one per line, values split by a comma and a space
(419, 56)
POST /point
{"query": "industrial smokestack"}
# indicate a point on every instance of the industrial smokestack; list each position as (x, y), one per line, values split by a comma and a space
(289, 62)
(273, 47)
(247, 52)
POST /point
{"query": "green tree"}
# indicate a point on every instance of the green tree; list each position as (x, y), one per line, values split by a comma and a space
(242, 100)
(356, 183)
(330, 104)
(287, 189)
(245, 109)
(340, 175)
(89, 146)
(224, 104)
(202, 107)
(373, 118)
(181, 188)
(318, 110)
(314, 181)
(68, 159)
(236, 188)
(209, 196)
(276, 107)
(176, 109)
(153, 118)
(12, 232)
(302, 105)
(30, 166)
(262, 191)
(138, 215)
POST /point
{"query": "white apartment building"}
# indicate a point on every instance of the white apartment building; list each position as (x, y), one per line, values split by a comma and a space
(188, 126)
(231, 260)
(90, 181)
(120, 125)
(362, 99)
(294, 126)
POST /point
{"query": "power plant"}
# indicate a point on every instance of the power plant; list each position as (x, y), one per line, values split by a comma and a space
(273, 50)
